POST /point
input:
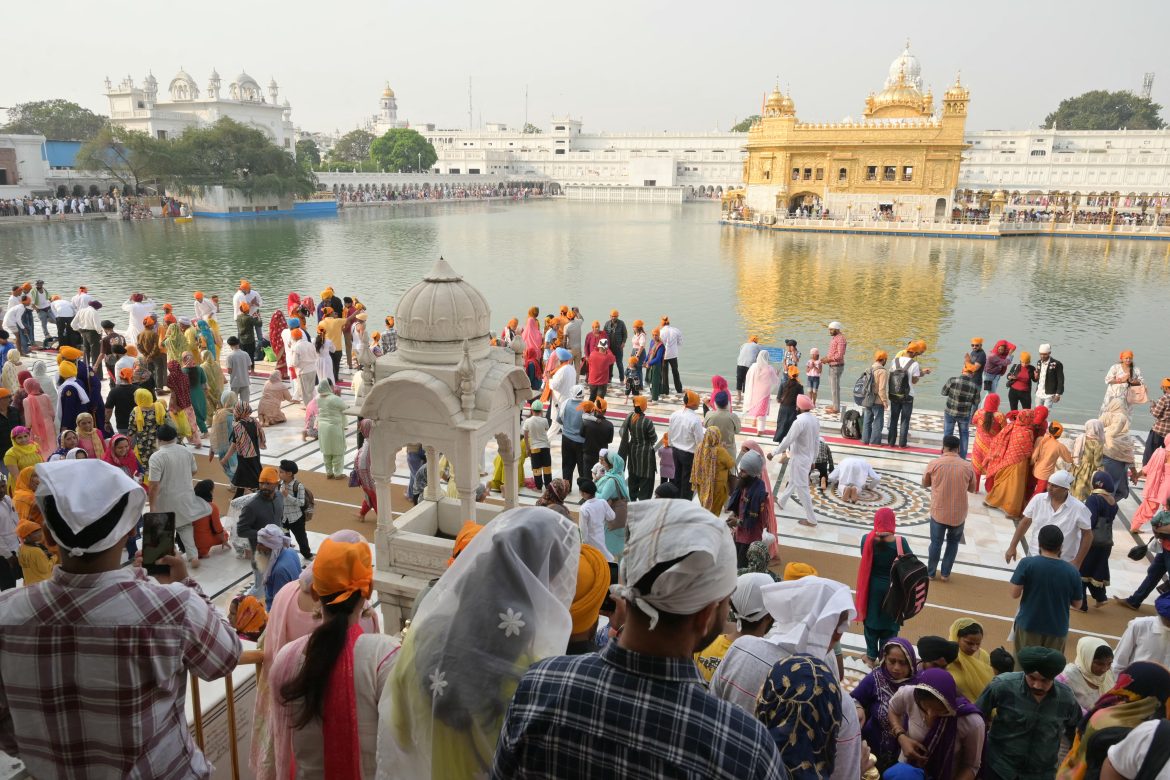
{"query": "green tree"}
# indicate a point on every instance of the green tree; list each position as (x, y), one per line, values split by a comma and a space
(231, 155)
(121, 154)
(1104, 110)
(531, 128)
(354, 146)
(308, 153)
(402, 149)
(56, 120)
(746, 124)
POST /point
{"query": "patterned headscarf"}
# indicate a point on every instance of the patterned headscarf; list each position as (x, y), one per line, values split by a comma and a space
(800, 704)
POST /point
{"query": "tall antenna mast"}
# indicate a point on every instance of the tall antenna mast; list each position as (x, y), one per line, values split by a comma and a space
(1147, 85)
(469, 123)
(525, 106)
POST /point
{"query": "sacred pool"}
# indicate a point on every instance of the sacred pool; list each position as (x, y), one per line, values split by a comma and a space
(1089, 298)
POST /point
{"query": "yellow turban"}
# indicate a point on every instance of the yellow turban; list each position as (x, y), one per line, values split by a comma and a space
(797, 570)
(68, 353)
(592, 585)
(67, 369)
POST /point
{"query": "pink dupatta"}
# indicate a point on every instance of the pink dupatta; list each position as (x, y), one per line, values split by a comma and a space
(1157, 489)
(768, 515)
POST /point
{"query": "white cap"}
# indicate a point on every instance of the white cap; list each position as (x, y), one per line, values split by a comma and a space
(1045, 349)
(834, 325)
(1061, 479)
(85, 492)
(747, 601)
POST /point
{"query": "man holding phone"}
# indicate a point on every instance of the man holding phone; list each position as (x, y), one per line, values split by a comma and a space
(171, 490)
(110, 647)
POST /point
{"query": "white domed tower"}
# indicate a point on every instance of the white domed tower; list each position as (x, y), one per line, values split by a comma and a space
(906, 69)
(388, 107)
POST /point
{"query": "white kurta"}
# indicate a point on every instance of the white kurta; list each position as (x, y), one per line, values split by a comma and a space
(853, 472)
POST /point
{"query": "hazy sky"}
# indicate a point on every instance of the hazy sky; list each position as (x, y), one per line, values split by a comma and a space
(622, 66)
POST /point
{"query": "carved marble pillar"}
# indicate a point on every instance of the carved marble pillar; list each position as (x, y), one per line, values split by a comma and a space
(431, 492)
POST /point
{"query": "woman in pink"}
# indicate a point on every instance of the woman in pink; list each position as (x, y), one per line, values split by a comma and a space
(88, 437)
(39, 417)
(718, 384)
(812, 369)
(1157, 473)
(762, 381)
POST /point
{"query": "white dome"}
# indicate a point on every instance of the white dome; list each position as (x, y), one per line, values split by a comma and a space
(438, 314)
(244, 78)
(908, 67)
(183, 87)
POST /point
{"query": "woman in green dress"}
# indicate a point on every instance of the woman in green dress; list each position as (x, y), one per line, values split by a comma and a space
(879, 548)
(198, 380)
(331, 430)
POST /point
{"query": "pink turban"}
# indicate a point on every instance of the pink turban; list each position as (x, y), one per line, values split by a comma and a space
(804, 403)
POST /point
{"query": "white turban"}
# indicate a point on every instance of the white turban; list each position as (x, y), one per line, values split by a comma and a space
(665, 530)
(85, 492)
(747, 601)
(807, 613)
(272, 537)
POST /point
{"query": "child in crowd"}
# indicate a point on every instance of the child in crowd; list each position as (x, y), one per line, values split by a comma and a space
(239, 362)
(36, 562)
(633, 378)
(665, 460)
(813, 370)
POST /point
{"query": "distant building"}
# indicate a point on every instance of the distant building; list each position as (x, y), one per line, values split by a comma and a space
(24, 165)
(1093, 170)
(387, 116)
(900, 161)
(140, 108)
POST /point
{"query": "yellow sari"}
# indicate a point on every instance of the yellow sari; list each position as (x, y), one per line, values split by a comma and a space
(972, 673)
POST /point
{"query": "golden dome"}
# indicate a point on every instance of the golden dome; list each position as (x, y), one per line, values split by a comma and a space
(787, 106)
(387, 93)
(901, 92)
(957, 91)
(776, 99)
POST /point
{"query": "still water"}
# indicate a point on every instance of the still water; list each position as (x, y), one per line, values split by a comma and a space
(1089, 298)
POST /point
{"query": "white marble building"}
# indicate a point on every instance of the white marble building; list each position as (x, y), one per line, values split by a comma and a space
(387, 116)
(141, 108)
(1128, 164)
(701, 163)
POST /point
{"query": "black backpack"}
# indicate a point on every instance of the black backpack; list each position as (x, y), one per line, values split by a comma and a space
(899, 381)
(851, 424)
(909, 583)
(863, 390)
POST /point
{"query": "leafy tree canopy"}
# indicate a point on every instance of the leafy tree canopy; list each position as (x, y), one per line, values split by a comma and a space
(56, 120)
(746, 124)
(119, 153)
(308, 153)
(402, 149)
(1104, 110)
(354, 146)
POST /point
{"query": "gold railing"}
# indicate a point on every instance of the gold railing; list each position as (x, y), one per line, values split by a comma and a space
(248, 657)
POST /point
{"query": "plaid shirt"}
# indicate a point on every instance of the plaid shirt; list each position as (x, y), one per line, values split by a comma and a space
(93, 674)
(962, 394)
(624, 714)
(1161, 412)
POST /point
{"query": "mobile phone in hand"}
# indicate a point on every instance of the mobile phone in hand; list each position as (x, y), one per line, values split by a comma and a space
(158, 540)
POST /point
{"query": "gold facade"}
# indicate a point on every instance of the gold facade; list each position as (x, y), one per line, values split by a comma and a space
(899, 159)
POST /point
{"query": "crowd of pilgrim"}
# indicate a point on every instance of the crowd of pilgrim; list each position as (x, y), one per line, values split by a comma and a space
(652, 636)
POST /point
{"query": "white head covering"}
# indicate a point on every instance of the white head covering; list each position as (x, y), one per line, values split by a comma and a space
(1044, 349)
(834, 325)
(663, 530)
(747, 601)
(272, 537)
(501, 606)
(85, 492)
(1061, 479)
(807, 612)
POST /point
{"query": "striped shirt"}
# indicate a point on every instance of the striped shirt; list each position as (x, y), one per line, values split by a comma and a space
(93, 674)
(950, 479)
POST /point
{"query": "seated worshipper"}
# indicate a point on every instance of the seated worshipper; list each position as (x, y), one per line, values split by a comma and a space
(972, 668)
(554, 495)
(275, 391)
(751, 619)
(295, 612)
(35, 559)
(1028, 712)
(879, 548)
(65, 640)
(810, 614)
(327, 687)
(937, 729)
(798, 571)
(1089, 675)
(501, 606)
(208, 529)
(1139, 695)
(747, 505)
(276, 559)
(592, 587)
(801, 691)
(571, 716)
(896, 669)
(852, 476)
(934, 652)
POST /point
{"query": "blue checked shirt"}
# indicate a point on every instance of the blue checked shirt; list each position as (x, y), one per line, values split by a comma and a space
(623, 714)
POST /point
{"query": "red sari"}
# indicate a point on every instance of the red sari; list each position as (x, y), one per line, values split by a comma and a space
(981, 448)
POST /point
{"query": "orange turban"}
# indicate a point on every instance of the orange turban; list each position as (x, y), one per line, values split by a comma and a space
(269, 474)
(149, 321)
(613, 313)
(564, 310)
(1126, 354)
(533, 311)
(691, 399)
(131, 350)
(1166, 383)
(320, 327)
(655, 333)
(977, 340)
(666, 320)
(170, 318)
(463, 538)
(26, 527)
(970, 368)
(1059, 429)
(389, 322)
(639, 324)
(640, 402)
(244, 307)
(5, 392)
(513, 323)
(198, 295)
(592, 585)
(587, 406)
(754, 339)
(168, 308)
(342, 568)
(666, 439)
(297, 333)
(127, 374)
(793, 371)
(245, 285)
(1025, 358)
(601, 404)
(327, 292)
(633, 361)
(596, 324)
(251, 617)
(27, 286)
(797, 570)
